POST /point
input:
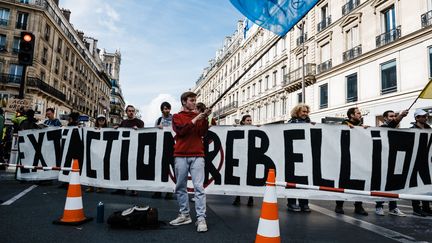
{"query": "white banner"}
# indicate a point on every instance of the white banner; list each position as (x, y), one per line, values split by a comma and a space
(237, 158)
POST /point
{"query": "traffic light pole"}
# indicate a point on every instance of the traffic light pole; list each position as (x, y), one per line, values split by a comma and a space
(22, 84)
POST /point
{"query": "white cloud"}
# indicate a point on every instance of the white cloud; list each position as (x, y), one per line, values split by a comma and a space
(151, 111)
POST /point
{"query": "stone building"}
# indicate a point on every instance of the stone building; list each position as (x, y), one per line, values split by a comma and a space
(372, 54)
(67, 73)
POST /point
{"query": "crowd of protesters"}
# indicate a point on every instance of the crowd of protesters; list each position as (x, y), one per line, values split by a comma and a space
(190, 126)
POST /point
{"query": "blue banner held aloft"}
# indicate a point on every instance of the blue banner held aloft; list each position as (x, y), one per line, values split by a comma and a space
(278, 16)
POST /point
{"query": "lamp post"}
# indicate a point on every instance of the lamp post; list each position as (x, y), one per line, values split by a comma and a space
(219, 105)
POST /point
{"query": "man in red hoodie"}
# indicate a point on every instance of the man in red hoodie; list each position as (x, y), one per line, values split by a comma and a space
(190, 128)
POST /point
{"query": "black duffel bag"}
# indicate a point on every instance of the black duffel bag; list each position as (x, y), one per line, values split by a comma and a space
(136, 217)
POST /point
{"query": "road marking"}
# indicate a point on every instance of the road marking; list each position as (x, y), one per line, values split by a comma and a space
(21, 194)
(391, 234)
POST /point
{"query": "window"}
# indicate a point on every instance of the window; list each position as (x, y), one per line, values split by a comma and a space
(21, 20)
(44, 56)
(266, 82)
(4, 16)
(299, 98)
(42, 76)
(283, 73)
(2, 42)
(351, 91)
(274, 108)
(283, 106)
(67, 53)
(59, 45)
(388, 77)
(325, 52)
(47, 32)
(248, 93)
(429, 5)
(24, 1)
(323, 96)
(430, 61)
(259, 86)
(388, 19)
(352, 37)
(324, 12)
(15, 70)
(16, 44)
(253, 90)
(274, 78)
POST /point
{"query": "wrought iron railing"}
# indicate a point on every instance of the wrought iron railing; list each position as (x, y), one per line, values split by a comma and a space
(325, 66)
(350, 6)
(388, 37)
(352, 53)
(324, 23)
(41, 85)
(301, 39)
(426, 19)
(295, 75)
(10, 79)
(225, 109)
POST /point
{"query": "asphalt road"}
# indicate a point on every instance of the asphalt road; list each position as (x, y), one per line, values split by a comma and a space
(29, 219)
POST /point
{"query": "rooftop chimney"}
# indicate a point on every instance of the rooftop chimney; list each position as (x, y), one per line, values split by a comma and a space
(66, 14)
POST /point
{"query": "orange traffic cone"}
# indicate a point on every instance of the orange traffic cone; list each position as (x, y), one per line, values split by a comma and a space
(73, 212)
(268, 226)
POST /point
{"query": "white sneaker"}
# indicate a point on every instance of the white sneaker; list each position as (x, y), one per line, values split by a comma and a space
(397, 212)
(201, 225)
(379, 211)
(181, 219)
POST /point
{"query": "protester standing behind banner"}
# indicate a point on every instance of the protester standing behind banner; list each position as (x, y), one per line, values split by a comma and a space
(130, 122)
(51, 121)
(421, 118)
(299, 114)
(391, 121)
(73, 119)
(200, 108)
(190, 128)
(100, 123)
(246, 120)
(354, 119)
(29, 122)
(2, 122)
(165, 120)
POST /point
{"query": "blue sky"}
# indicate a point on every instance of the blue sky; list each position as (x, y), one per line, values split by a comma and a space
(165, 44)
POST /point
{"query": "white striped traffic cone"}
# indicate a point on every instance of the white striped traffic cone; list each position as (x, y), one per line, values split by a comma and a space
(268, 226)
(73, 212)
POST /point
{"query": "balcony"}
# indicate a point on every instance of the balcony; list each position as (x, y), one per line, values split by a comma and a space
(222, 111)
(115, 112)
(41, 85)
(388, 37)
(9, 79)
(291, 80)
(352, 53)
(15, 50)
(324, 24)
(426, 19)
(324, 67)
(3, 48)
(301, 39)
(350, 6)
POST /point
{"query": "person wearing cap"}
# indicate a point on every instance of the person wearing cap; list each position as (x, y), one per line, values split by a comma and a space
(421, 118)
(100, 123)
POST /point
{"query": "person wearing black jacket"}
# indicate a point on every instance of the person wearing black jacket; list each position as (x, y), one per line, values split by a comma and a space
(391, 120)
(299, 114)
(354, 119)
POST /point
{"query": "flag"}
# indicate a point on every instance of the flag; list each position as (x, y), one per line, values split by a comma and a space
(427, 91)
(278, 16)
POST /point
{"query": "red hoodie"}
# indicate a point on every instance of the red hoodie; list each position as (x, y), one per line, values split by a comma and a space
(189, 137)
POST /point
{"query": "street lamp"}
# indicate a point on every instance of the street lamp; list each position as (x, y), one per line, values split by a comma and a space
(219, 104)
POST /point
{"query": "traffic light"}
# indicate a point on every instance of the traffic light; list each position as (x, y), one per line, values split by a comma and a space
(26, 49)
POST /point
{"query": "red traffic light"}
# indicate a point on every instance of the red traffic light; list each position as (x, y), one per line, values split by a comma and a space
(27, 37)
